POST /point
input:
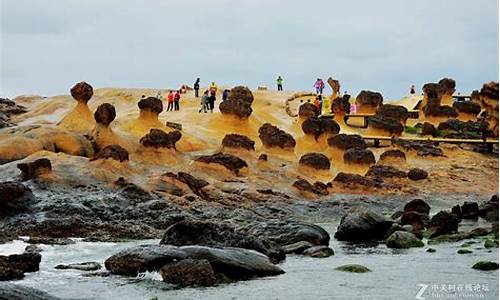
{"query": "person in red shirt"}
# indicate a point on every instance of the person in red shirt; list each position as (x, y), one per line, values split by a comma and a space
(177, 98)
(170, 99)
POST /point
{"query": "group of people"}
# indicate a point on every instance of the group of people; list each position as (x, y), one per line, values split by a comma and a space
(173, 99)
(209, 96)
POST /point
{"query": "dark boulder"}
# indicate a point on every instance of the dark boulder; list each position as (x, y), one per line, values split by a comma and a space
(385, 172)
(362, 224)
(391, 125)
(272, 136)
(11, 291)
(369, 99)
(115, 152)
(239, 103)
(15, 198)
(288, 232)
(469, 210)
(105, 114)
(189, 272)
(403, 240)
(417, 174)
(263, 157)
(152, 104)
(82, 92)
(417, 220)
(393, 154)
(230, 162)
(34, 169)
(443, 223)
(489, 210)
(191, 232)
(457, 125)
(238, 141)
(308, 110)
(341, 105)
(297, 247)
(359, 156)
(427, 129)
(316, 161)
(467, 107)
(448, 84)
(317, 188)
(316, 127)
(434, 91)
(158, 139)
(14, 266)
(457, 211)
(417, 205)
(355, 180)
(393, 112)
(318, 251)
(85, 266)
(434, 110)
(346, 141)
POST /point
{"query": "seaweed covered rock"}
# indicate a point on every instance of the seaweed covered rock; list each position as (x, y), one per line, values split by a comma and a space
(368, 101)
(417, 174)
(158, 138)
(15, 198)
(204, 233)
(308, 110)
(318, 188)
(82, 92)
(353, 268)
(271, 137)
(230, 162)
(346, 141)
(385, 171)
(359, 156)
(239, 103)
(391, 111)
(403, 240)
(393, 154)
(151, 104)
(362, 224)
(317, 126)
(34, 169)
(115, 152)
(316, 161)
(105, 114)
(238, 141)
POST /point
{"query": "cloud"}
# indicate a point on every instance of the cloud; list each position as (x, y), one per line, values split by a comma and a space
(385, 46)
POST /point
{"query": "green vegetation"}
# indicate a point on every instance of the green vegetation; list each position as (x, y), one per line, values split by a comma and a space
(485, 265)
(353, 268)
(464, 251)
(490, 244)
(411, 130)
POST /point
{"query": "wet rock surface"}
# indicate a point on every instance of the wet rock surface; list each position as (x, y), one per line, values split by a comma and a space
(190, 272)
(11, 291)
(443, 223)
(403, 240)
(271, 136)
(489, 210)
(238, 141)
(34, 169)
(362, 224)
(230, 162)
(15, 198)
(115, 152)
(157, 138)
(316, 161)
(195, 184)
(85, 266)
(239, 103)
(14, 266)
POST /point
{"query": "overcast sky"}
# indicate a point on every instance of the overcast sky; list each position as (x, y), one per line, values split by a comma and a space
(385, 46)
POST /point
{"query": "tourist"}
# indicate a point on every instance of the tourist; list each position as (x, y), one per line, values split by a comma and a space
(204, 102)
(213, 89)
(196, 87)
(170, 100)
(316, 103)
(412, 90)
(177, 98)
(225, 94)
(319, 85)
(279, 81)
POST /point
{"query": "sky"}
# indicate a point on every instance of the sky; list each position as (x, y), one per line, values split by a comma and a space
(385, 46)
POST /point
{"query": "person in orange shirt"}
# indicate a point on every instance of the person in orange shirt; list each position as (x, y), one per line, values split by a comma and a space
(316, 103)
(170, 99)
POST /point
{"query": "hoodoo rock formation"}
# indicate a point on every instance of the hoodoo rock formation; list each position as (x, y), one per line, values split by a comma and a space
(487, 97)
(432, 104)
(238, 141)
(273, 137)
(80, 118)
(239, 103)
(316, 161)
(368, 101)
(230, 162)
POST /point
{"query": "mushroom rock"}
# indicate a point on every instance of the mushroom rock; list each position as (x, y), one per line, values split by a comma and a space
(385, 171)
(239, 103)
(467, 110)
(309, 190)
(151, 105)
(448, 85)
(230, 162)
(427, 129)
(421, 148)
(102, 134)
(335, 85)
(315, 161)
(80, 118)
(359, 156)
(273, 137)
(150, 108)
(105, 114)
(454, 128)
(308, 110)
(35, 169)
(340, 107)
(488, 99)
(368, 101)
(417, 174)
(157, 138)
(397, 112)
(385, 125)
(318, 126)
(115, 152)
(393, 155)
(346, 141)
(432, 102)
(433, 91)
(238, 141)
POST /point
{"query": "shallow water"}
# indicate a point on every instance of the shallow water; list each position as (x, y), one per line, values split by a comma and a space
(396, 274)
